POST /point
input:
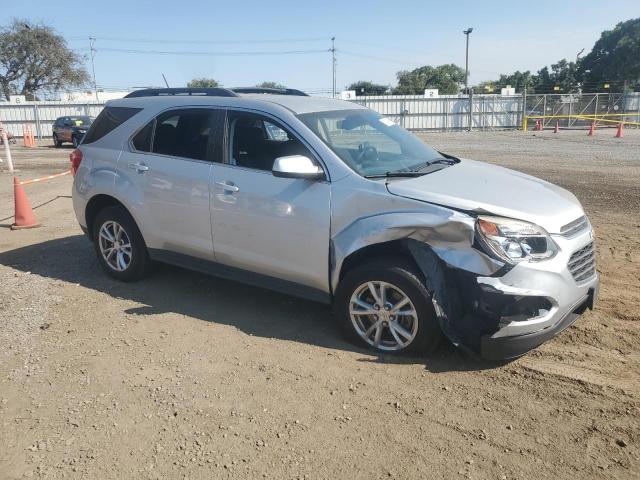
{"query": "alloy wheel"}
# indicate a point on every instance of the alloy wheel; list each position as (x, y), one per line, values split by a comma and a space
(383, 315)
(115, 246)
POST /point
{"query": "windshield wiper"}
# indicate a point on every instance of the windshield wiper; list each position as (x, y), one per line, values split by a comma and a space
(395, 174)
(436, 161)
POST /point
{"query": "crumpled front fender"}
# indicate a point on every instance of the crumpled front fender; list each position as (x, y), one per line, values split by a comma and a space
(450, 234)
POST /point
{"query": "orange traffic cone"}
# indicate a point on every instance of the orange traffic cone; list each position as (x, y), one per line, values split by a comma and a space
(592, 129)
(620, 132)
(557, 129)
(23, 213)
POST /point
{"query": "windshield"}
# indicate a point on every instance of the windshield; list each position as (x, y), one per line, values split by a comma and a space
(81, 121)
(370, 144)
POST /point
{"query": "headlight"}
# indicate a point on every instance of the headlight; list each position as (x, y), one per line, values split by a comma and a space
(513, 240)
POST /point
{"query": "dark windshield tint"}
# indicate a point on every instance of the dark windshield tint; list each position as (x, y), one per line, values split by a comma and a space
(109, 118)
(368, 143)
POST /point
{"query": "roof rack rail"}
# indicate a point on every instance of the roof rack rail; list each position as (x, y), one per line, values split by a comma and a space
(272, 91)
(159, 92)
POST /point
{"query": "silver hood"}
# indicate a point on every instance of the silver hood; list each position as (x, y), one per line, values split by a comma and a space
(484, 188)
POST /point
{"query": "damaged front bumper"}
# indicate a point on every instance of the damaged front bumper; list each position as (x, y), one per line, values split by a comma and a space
(508, 315)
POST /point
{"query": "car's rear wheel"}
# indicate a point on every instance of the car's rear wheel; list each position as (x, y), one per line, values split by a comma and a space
(75, 141)
(384, 305)
(119, 245)
(56, 141)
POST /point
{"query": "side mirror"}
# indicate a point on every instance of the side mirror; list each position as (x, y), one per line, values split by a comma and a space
(297, 166)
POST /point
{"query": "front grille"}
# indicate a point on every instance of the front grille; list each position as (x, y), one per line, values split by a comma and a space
(573, 228)
(582, 263)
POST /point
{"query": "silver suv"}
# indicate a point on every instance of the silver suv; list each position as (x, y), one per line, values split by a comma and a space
(328, 200)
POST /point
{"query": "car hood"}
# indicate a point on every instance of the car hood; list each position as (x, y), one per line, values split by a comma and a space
(483, 188)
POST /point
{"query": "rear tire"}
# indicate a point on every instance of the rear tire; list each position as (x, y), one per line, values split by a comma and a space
(393, 288)
(121, 250)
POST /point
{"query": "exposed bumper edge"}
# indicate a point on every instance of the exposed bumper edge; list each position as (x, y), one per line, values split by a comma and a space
(505, 348)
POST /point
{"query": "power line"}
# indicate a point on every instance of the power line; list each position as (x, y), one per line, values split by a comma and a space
(197, 42)
(221, 54)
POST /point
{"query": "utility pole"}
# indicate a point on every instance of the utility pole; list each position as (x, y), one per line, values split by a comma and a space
(93, 67)
(333, 55)
(467, 32)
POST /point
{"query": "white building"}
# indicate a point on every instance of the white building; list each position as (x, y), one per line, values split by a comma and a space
(90, 96)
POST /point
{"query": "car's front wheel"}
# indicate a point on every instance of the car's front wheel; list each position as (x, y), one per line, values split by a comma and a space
(119, 245)
(56, 141)
(385, 305)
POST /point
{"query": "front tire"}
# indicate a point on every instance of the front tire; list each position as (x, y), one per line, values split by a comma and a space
(119, 245)
(385, 306)
(56, 141)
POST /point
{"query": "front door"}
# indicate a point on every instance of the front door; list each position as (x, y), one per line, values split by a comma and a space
(273, 226)
(169, 171)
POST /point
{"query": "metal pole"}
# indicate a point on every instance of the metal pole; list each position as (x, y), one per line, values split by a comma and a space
(467, 32)
(333, 63)
(36, 116)
(470, 109)
(524, 109)
(93, 67)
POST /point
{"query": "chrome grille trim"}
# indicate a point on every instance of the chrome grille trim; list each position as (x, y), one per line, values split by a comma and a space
(582, 263)
(573, 228)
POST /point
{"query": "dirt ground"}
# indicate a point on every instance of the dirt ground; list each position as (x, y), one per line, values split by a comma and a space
(187, 376)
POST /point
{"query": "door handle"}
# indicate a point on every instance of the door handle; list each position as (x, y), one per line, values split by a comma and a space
(138, 167)
(228, 187)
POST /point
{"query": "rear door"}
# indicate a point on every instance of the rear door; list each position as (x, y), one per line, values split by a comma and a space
(273, 226)
(168, 170)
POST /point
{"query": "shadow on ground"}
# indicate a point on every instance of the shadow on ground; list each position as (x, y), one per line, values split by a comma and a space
(255, 311)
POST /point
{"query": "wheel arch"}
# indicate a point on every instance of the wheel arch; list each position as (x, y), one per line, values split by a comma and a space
(98, 203)
(393, 248)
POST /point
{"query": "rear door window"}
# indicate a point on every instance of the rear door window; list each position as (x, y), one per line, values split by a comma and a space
(142, 140)
(109, 119)
(184, 133)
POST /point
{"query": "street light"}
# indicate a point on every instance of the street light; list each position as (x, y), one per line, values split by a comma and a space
(467, 32)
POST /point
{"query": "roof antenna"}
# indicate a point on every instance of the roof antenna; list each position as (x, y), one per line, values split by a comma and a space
(165, 80)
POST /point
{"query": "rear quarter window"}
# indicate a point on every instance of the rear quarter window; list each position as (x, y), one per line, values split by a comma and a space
(109, 119)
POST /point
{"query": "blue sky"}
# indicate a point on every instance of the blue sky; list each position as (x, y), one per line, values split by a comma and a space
(374, 39)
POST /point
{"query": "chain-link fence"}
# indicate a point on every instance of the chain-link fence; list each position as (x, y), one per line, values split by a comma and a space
(580, 110)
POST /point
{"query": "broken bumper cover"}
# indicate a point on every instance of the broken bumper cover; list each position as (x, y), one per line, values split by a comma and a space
(505, 348)
(531, 303)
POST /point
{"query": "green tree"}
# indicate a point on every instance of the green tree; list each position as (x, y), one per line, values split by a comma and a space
(203, 83)
(34, 58)
(446, 78)
(615, 57)
(564, 77)
(364, 87)
(270, 85)
(518, 80)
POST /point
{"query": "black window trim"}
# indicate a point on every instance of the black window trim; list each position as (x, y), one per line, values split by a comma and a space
(225, 141)
(156, 115)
